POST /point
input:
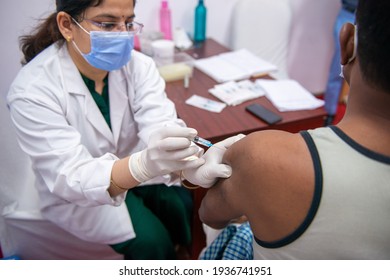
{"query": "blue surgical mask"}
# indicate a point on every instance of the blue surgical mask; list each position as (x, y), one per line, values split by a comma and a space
(109, 50)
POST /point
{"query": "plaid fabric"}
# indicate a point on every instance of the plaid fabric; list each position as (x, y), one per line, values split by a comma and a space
(233, 243)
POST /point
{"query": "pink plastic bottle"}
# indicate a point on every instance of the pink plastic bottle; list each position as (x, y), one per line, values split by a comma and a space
(165, 20)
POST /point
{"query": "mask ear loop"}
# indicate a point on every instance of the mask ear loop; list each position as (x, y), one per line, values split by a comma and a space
(79, 25)
(73, 42)
(355, 42)
(77, 48)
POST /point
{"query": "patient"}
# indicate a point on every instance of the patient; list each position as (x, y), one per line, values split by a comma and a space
(323, 193)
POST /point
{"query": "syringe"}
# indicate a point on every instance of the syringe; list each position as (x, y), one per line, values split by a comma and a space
(201, 141)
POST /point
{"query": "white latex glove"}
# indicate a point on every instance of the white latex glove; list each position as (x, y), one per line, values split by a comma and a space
(208, 174)
(167, 152)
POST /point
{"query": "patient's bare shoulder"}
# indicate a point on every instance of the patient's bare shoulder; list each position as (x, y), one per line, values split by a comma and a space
(275, 172)
(267, 151)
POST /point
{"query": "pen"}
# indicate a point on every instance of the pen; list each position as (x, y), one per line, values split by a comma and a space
(201, 141)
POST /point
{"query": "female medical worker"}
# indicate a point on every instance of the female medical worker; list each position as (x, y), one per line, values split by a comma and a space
(93, 116)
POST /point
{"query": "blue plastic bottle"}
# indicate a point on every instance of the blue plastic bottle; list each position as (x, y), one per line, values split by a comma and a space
(200, 22)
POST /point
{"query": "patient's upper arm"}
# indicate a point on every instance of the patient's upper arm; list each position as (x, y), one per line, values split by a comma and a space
(271, 183)
(226, 199)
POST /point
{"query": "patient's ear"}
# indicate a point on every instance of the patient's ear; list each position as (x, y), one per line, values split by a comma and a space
(347, 34)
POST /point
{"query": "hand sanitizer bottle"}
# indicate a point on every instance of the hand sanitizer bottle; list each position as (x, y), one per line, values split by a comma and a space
(165, 20)
(200, 22)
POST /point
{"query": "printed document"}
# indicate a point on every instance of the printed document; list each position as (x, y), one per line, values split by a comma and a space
(205, 103)
(234, 93)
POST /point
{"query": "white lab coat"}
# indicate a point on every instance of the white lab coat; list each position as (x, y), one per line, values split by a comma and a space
(71, 146)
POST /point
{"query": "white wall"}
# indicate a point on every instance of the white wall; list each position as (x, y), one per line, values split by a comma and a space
(218, 15)
(16, 18)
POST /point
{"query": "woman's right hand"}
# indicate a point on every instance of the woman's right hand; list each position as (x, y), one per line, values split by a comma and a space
(169, 150)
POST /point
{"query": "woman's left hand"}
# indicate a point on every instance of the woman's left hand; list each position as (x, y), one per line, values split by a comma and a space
(207, 174)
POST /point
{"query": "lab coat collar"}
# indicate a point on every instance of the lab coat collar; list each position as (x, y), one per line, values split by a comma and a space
(75, 85)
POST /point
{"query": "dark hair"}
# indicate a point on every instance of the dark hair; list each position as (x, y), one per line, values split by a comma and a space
(48, 32)
(374, 42)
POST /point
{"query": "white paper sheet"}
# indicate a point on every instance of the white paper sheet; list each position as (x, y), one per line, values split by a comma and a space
(289, 95)
(235, 65)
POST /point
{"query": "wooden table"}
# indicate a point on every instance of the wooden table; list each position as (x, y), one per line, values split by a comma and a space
(231, 121)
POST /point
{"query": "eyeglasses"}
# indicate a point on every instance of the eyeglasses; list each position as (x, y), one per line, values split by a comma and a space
(132, 27)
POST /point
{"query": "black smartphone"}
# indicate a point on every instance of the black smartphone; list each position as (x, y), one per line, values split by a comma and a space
(263, 113)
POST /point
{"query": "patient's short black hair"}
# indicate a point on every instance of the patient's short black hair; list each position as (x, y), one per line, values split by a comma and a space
(373, 26)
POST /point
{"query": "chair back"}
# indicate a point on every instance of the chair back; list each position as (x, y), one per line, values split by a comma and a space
(311, 45)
